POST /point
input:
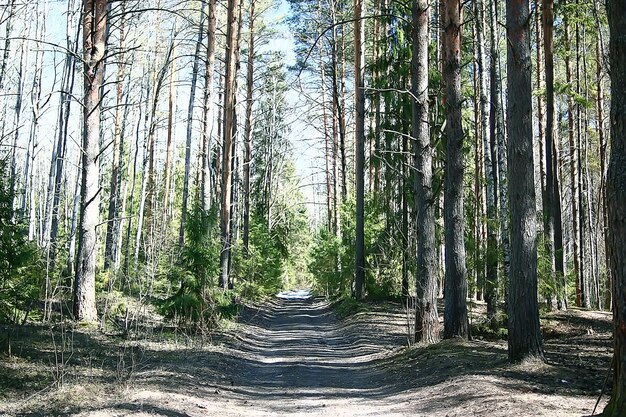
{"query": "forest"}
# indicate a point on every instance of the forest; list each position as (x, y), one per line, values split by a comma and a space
(313, 207)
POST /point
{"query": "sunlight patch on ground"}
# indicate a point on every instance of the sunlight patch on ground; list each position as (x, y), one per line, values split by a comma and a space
(295, 295)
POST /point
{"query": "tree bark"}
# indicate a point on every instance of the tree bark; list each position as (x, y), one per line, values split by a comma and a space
(359, 98)
(455, 312)
(190, 108)
(113, 213)
(523, 324)
(553, 230)
(426, 318)
(170, 142)
(616, 199)
(573, 169)
(208, 107)
(229, 113)
(247, 144)
(584, 281)
(540, 108)
(498, 134)
(94, 30)
(602, 141)
(487, 121)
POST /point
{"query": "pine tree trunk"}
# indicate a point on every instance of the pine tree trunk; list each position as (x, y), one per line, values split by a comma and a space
(540, 114)
(208, 107)
(327, 134)
(339, 109)
(375, 158)
(247, 154)
(523, 321)
(56, 173)
(71, 250)
(498, 135)
(616, 199)
(190, 108)
(229, 113)
(132, 190)
(487, 121)
(94, 30)
(167, 181)
(404, 206)
(426, 318)
(113, 212)
(479, 206)
(359, 98)
(150, 189)
(553, 230)
(584, 281)
(455, 312)
(573, 170)
(602, 141)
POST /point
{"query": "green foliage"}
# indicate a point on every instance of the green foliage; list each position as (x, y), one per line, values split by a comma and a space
(21, 263)
(346, 306)
(268, 249)
(324, 254)
(195, 301)
(332, 258)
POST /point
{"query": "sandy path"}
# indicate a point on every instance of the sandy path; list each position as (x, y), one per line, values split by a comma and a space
(296, 358)
(304, 360)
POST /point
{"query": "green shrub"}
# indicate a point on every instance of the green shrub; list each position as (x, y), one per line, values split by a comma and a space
(192, 304)
(21, 262)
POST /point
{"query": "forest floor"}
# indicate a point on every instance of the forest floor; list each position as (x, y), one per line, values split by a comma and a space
(298, 358)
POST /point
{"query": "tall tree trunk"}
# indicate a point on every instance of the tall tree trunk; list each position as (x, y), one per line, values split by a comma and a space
(19, 97)
(229, 112)
(375, 158)
(170, 144)
(247, 154)
(7, 43)
(190, 108)
(359, 137)
(602, 153)
(426, 318)
(455, 313)
(327, 134)
(123, 185)
(404, 231)
(55, 180)
(94, 43)
(540, 108)
(113, 215)
(616, 199)
(479, 201)
(487, 122)
(573, 170)
(498, 141)
(553, 230)
(337, 82)
(523, 325)
(584, 282)
(71, 252)
(133, 185)
(150, 189)
(208, 107)
(150, 80)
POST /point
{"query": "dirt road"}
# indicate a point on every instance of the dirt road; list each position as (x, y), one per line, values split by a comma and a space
(296, 358)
